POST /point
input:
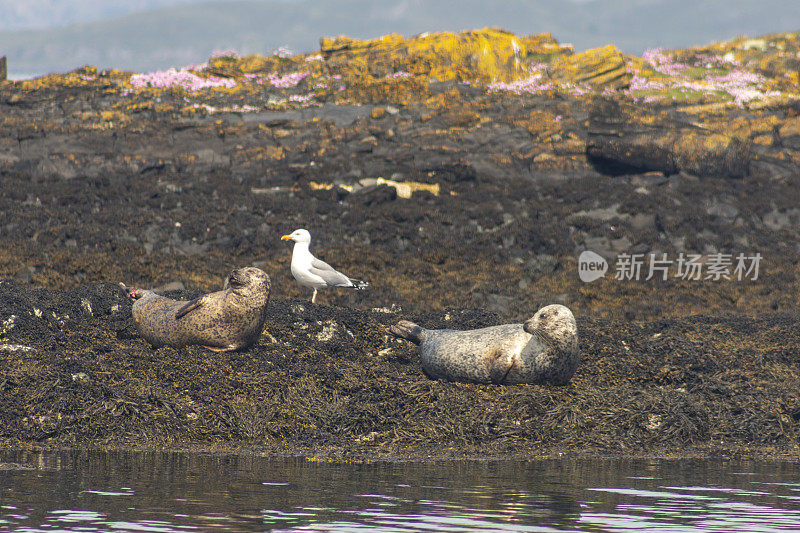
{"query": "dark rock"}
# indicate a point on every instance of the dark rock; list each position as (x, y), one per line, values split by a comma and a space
(723, 209)
(376, 195)
(628, 139)
(542, 264)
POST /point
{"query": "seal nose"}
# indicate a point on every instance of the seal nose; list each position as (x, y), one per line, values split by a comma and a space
(235, 278)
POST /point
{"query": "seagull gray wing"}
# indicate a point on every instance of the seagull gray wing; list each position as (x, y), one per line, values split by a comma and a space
(332, 277)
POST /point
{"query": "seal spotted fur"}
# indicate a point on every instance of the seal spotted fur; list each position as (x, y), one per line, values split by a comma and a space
(542, 350)
(230, 319)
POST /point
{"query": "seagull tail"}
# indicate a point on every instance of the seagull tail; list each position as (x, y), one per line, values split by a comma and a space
(407, 330)
(358, 284)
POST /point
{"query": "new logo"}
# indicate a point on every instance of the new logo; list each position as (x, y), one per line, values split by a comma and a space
(591, 266)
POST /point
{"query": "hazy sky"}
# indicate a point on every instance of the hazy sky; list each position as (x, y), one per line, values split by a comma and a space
(39, 14)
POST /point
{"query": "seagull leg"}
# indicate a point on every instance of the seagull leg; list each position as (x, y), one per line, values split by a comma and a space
(314, 297)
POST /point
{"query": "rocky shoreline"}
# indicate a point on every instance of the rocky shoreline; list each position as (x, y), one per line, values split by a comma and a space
(463, 187)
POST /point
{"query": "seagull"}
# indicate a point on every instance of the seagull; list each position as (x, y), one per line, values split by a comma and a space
(313, 273)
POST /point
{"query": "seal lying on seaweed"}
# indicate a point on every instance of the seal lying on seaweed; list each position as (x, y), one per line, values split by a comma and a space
(542, 350)
(230, 319)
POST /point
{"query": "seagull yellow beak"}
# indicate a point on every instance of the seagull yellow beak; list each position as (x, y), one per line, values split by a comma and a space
(286, 237)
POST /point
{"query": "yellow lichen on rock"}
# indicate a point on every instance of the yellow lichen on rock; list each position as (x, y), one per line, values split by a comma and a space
(114, 116)
(406, 188)
(598, 68)
(398, 91)
(541, 124)
(483, 55)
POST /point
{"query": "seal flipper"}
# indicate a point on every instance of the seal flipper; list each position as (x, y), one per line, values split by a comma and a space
(126, 291)
(405, 329)
(189, 307)
(131, 292)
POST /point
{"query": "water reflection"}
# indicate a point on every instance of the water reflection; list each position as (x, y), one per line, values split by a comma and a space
(153, 491)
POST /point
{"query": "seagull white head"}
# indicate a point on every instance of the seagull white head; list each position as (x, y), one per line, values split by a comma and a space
(298, 235)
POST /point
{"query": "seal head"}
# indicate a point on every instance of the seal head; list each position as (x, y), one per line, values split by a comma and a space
(555, 325)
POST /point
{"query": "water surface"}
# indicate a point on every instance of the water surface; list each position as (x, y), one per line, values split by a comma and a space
(166, 492)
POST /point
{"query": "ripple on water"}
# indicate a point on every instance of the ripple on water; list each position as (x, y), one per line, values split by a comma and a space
(163, 492)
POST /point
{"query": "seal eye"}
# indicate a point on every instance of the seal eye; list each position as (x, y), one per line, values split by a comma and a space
(236, 281)
(545, 315)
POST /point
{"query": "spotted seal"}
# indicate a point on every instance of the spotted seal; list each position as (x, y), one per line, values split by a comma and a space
(230, 319)
(542, 350)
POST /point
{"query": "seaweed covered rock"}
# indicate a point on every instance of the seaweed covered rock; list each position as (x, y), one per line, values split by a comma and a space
(329, 381)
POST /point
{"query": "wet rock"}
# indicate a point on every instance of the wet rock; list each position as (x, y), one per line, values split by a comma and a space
(376, 195)
(723, 209)
(541, 264)
(608, 248)
(81, 377)
(642, 221)
(496, 303)
(777, 220)
(626, 139)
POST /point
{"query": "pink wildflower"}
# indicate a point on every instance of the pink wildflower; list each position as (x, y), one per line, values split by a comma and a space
(283, 51)
(229, 54)
(283, 82)
(289, 80)
(532, 85)
(172, 78)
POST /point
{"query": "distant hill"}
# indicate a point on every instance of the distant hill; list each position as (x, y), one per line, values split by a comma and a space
(183, 34)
